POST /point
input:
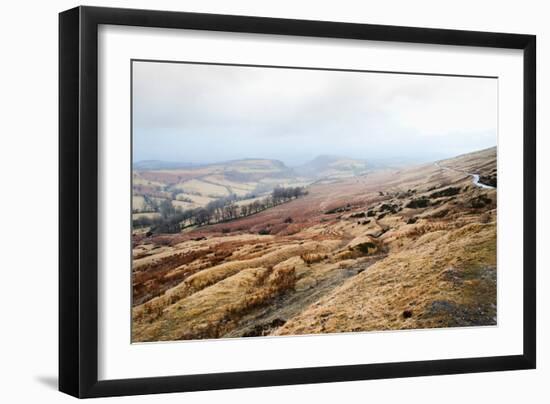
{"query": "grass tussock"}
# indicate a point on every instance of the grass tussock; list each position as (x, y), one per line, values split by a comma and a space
(312, 258)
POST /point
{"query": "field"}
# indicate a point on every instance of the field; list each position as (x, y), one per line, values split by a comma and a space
(193, 187)
(358, 250)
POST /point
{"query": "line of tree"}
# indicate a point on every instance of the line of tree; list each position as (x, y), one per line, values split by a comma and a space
(149, 205)
(173, 219)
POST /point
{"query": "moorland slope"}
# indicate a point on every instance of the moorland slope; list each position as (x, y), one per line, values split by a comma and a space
(386, 250)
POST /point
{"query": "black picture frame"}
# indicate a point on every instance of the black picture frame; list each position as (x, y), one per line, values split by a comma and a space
(78, 201)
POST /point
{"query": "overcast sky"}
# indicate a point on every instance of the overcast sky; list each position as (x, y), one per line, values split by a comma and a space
(202, 114)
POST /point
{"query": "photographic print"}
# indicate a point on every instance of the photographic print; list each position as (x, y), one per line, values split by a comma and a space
(282, 201)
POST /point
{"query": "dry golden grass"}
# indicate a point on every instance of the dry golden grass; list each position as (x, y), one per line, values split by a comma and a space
(214, 311)
(312, 258)
(214, 275)
(412, 280)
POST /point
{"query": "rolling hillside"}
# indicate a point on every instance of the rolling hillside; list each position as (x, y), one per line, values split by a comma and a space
(189, 186)
(393, 249)
(332, 167)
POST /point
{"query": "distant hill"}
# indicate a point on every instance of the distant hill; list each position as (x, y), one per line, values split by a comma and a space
(251, 170)
(189, 186)
(149, 165)
(264, 166)
(326, 166)
(192, 185)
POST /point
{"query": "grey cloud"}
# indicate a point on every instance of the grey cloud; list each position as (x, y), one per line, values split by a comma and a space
(211, 113)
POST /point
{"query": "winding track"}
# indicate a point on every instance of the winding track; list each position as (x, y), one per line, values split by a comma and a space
(475, 177)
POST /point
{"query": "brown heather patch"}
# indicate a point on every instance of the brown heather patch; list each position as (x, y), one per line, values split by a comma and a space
(207, 276)
(155, 278)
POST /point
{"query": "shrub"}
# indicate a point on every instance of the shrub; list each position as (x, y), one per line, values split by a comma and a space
(366, 248)
(418, 203)
(332, 211)
(389, 207)
(479, 202)
(264, 329)
(264, 231)
(338, 209)
(451, 191)
(489, 180)
(357, 215)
